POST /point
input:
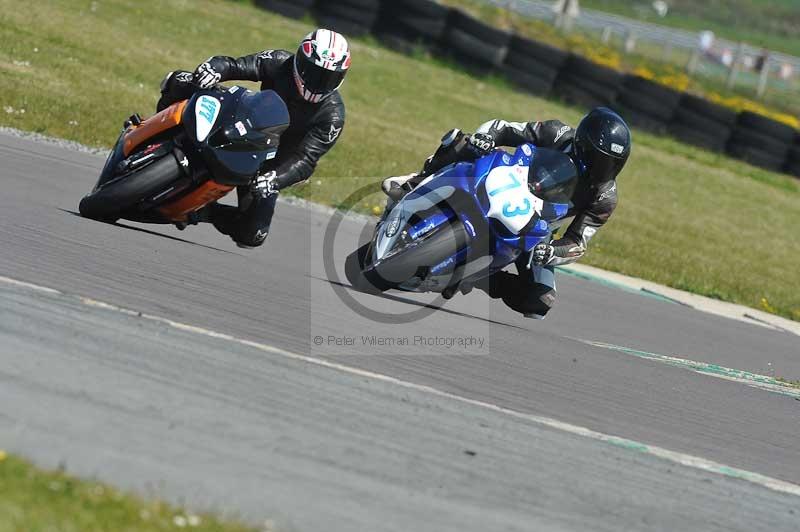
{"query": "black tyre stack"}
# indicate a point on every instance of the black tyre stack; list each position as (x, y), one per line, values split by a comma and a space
(761, 141)
(647, 104)
(584, 82)
(288, 8)
(793, 161)
(702, 123)
(351, 18)
(405, 24)
(532, 65)
(476, 45)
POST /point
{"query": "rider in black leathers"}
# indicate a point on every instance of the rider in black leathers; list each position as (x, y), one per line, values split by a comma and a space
(600, 146)
(308, 82)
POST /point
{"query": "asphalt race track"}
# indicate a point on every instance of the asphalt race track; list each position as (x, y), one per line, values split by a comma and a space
(285, 404)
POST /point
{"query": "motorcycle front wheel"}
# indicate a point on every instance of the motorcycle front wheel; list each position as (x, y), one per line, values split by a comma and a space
(109, 202)
(354, 266)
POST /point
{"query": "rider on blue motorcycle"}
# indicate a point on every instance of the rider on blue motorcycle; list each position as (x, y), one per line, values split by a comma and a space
(599, 147)
(308, 81)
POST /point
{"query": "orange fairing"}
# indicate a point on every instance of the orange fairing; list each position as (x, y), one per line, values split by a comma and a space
(200, 197)
(158, 123)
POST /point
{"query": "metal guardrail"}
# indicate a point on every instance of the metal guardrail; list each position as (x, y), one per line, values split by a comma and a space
(644, 31)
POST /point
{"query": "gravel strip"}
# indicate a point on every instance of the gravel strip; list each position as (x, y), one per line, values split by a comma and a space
(54, 141)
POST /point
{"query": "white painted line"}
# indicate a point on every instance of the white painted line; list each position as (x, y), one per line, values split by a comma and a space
(22, 284)
(763, 382)
(665, 454)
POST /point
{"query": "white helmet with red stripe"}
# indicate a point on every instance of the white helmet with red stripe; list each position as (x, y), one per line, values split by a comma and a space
(320, 64)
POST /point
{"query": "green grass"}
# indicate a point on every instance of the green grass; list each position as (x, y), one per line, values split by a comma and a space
(687, 218)
(792, 383)
(34, 500)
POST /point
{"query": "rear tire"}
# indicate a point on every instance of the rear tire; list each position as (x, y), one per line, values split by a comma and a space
(110, 202)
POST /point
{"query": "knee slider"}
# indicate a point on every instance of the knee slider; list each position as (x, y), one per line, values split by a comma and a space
(252, 239)
(536, 302)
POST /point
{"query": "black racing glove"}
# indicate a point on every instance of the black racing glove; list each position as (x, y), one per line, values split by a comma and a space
(542, 254)
(264, 185)
(205, 76)
(480, 144)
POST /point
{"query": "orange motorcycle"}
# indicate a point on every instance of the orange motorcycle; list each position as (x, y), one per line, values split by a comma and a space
(165, 168)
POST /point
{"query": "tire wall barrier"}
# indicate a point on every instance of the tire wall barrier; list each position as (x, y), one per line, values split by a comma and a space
(546, 71)
(349, 17)
(406, 24)
(474, 44)
(587, 84)
(288, 8)
(793, 160)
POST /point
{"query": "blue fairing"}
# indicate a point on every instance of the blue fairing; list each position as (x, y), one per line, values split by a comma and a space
(457, 195)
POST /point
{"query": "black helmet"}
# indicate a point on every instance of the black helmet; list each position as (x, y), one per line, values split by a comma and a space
(320, 64)
(602, 145)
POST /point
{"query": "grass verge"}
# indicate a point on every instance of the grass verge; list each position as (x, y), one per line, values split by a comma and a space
(32, 499)
(687, 218)
(794, 384)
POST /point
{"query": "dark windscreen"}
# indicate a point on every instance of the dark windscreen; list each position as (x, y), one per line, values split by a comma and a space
(258, 122)
(552, 176)
(263, 110)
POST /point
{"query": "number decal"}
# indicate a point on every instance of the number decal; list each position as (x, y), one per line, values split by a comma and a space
(519, 211)
(513, 184)
(206, 113)
(208, 110)
(510, 201)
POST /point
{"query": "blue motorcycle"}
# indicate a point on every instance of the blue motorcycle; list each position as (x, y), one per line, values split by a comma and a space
(466, 222)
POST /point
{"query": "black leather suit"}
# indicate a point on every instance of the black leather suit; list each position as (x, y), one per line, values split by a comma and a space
(532, 291)
(313, 130)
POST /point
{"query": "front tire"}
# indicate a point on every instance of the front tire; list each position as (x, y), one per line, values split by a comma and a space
(354, 271)
(110, 202)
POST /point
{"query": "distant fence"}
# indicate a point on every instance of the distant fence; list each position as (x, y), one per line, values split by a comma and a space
(715, 56)
(546, 71)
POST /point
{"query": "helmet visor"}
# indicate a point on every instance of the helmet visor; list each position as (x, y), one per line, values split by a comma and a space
(599, 166)
(318, 80)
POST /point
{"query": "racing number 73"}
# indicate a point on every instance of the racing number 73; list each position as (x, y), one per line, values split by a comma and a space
(519, 210)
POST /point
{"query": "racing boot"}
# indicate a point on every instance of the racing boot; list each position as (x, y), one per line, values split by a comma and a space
(398, 186)
(194, 218)
(450, 150)
(134, 120)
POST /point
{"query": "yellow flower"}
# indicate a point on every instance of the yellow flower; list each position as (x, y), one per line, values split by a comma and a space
(677, 81)
(3, 455)
(377, 210)
(737, 103)
(643, 72)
